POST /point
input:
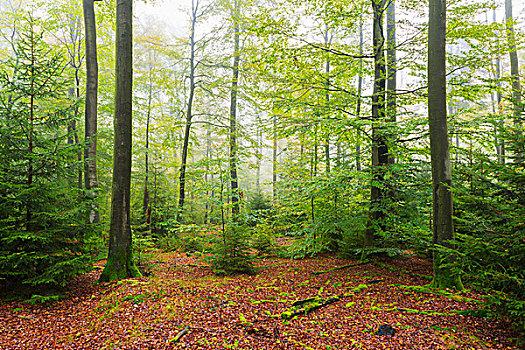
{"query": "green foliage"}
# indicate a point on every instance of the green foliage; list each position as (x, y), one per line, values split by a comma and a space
(490, 227)
(231, 255)
(142, 243)
(263, 240)
(45, 237)
(184, 238)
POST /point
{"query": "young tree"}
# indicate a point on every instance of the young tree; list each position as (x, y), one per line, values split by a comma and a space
(443, 226)
(44, 234)
(90, 129)
(120, 262)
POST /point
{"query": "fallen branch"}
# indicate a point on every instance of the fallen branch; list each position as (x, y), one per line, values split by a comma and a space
(304, 307)
(339, 268)
(180, 335)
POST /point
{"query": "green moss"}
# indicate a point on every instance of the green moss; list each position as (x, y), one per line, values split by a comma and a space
(444, 279)
(119, 265)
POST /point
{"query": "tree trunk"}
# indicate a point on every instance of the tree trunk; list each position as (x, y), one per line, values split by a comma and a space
(189, 111)
(359, 92)
(120, 262)
(391, 68)
(379, 146)
(146, 209)
(498, 110)
(443, 226)
(90, 153)
(274, 158)
(233, 110)
(327, 41)
(514, 75)
(208, 161)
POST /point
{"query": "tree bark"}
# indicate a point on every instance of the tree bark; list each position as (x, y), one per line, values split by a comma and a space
(359, 92)
(90, 153)
(327, 41)
(274, 158)
(379, 145)
(120, 262)
(233, 110)
(391, 68)
(443, 226)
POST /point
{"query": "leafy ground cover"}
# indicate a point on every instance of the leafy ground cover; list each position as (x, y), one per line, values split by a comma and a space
(183, 305)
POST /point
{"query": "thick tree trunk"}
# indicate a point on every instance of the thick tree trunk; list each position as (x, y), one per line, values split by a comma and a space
(120, 262)
(189, 115)
(514, 75)
(443, 226)
(379, 145)
(233, 110)
(90, 153)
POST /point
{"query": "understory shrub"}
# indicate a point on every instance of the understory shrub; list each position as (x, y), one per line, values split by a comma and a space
(231, 255)
(263, 240)
(45, 234)
(490, 224)
(183, 238)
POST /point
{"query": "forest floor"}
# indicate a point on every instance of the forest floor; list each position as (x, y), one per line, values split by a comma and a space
(244, 311)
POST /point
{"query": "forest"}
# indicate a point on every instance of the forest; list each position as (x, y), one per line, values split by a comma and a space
(271, 174)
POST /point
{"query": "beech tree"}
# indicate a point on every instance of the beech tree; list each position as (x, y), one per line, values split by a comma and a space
(442, 224)
(233, 107)
(120, 262)
(90, 128)
(379, 142)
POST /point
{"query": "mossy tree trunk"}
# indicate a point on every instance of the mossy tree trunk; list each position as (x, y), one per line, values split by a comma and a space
(443, 225)
(120, 257)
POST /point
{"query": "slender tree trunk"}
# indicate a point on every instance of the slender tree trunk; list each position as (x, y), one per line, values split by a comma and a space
(379, 146)
(90, 153)
(74, 92)
(72, 138)
(208, 160)
(443, 225)
(233, 110)
(120, 262)
(359, 92)
(146, 209)
(29, 206)
(391, 69)
(274, 158)
(327, 41)
(259, 155)
(514, 74)
(189, 115)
